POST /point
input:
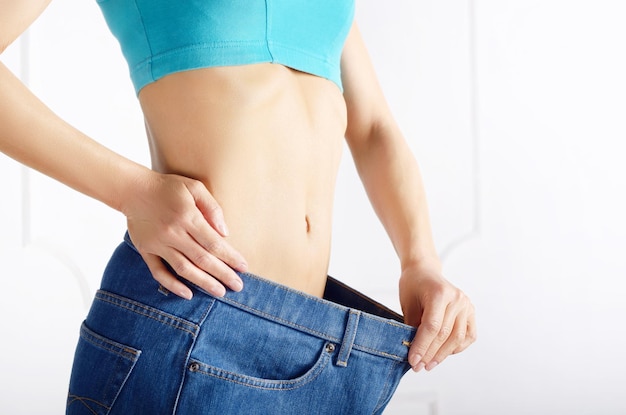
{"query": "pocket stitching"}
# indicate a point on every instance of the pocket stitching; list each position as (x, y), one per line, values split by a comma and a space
(267, 384)
(81, 399)
(109, 345)
(143, 310)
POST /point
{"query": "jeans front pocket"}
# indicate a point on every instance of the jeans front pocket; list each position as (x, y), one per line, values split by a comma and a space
(312, 372)
(257, 351)
(101, 368)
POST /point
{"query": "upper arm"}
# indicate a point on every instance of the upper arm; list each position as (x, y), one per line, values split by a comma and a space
(16, 16)
(366, 104)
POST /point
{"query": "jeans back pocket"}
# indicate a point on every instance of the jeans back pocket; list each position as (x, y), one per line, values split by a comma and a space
(101, 368)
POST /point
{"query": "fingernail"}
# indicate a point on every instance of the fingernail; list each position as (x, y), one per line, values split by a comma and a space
(414, 360)
(223, 229)
(237, 285)
(219, 292)
(419, 367)
(243, 266)
(431, 365)
(187, 295)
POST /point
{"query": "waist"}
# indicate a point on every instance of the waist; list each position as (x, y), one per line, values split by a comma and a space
(266, 141)
(371, 326)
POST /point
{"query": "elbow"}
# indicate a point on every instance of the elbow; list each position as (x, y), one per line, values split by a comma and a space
(3, 46)
(365, 134)
(369, 123)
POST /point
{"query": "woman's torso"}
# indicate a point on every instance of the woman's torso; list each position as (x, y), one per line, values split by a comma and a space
(266, 140)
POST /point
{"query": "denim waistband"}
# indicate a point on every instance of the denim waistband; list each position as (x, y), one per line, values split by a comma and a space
(347, 324)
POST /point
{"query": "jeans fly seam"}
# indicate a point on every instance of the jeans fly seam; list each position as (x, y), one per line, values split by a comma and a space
(145, 311)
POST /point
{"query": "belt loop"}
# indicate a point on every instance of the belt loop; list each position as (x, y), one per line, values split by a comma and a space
(348, 337)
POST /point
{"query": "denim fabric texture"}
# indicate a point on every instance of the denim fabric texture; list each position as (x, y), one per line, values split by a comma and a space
(265, 350)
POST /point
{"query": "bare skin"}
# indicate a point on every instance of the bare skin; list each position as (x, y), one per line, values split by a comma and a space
(266, 141)
(244, 167)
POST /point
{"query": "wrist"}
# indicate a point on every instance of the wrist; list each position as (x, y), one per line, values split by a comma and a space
(134, 183)
(418, 252)
(421, 264)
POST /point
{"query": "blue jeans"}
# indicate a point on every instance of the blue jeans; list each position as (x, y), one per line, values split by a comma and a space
(265, 350)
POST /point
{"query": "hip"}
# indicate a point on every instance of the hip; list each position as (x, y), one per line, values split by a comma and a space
(267, 349)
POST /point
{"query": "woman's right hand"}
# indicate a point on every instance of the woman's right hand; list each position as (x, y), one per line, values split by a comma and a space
(170, 217)
(175, 219)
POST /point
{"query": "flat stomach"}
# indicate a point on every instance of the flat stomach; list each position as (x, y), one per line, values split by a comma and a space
(266, 141)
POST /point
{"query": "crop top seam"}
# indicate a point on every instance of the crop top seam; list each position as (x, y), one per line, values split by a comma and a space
(225, 45)
(268, 22)
(145, 32)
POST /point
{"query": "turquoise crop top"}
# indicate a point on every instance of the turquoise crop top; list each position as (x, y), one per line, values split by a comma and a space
(159, 37)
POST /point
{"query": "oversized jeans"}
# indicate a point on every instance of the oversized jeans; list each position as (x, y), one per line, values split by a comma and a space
(265, 350)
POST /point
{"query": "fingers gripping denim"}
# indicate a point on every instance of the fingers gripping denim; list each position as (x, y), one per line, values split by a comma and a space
(265, 350)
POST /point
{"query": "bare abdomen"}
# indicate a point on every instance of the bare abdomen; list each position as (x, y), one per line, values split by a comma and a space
(267, 142)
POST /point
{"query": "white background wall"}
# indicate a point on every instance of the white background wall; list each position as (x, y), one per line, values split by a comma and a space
(516, 112)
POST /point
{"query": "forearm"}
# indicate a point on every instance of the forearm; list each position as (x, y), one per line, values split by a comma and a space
(170, 218)
(390, 174)
(33, 135)
(393, 183)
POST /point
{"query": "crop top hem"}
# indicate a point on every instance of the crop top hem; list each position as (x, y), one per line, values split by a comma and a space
(159, 37)
(231, 53)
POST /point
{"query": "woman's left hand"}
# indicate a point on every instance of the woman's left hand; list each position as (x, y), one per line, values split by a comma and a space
(443, 315)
